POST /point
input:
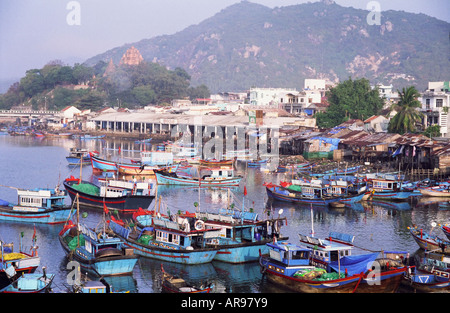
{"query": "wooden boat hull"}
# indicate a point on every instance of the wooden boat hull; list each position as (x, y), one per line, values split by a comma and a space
(275, 275)
(384, 282)
(54, 215)
(114, 263)
(216, 163)
(36, 284)
(243, 252)
(427, 282)
(274, 194)
(169, 180)
(136, 170)
(127, 203)
(157, 251)
(103, 165)
(429, 243)
(391, 195)
(428, 192)
(77, 161)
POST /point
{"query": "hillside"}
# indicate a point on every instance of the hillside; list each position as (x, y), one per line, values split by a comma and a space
(249, 45)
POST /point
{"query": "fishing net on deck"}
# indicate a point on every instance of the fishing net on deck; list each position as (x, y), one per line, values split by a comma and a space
(73, 244)
(87, 188)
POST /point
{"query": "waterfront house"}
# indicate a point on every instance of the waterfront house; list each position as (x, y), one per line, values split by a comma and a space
(435, 106)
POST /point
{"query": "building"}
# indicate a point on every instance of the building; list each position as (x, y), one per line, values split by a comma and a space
(435, 106)
(377, 124)
(270, 96)
(132, 57)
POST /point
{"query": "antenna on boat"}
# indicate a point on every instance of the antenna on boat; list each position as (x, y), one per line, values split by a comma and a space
(312, 221)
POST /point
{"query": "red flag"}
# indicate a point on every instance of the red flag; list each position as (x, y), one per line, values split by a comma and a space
(105, 208)
(245, 191)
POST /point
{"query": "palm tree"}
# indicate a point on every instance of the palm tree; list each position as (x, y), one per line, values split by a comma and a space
(407, 114)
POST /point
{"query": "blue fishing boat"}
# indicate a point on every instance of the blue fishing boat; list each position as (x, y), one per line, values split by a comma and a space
(143, 141)
(102, 165)
(383, 275)
(427, 241)
(88, 137)
(215, 177)
(387, 189)
(30, 283)
(16, 263)
(257, 163)
(166, 240)
(289, 266)
(315, 191)
(124, 196)
(96, 251)
(78, 156)
(242, 237)
(38, 205)
(438, 281)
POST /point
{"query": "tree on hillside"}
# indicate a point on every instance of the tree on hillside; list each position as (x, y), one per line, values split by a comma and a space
(407, 114)
(350, 99)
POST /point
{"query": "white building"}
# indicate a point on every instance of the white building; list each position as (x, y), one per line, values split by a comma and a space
(269, 96)
(435, 106)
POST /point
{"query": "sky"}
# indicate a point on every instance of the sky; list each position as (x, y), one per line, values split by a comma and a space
(34, 32)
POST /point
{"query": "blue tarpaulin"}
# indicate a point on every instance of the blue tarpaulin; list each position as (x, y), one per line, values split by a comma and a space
(354, 264)
(333, 141)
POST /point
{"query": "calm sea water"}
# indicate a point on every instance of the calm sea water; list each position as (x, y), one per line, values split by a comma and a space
(26, 162)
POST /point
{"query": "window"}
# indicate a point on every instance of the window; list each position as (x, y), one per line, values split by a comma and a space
(439, 103)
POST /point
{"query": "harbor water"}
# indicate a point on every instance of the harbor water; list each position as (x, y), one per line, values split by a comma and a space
(27, 162)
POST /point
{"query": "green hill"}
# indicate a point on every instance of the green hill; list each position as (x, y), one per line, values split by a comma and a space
(249, 45)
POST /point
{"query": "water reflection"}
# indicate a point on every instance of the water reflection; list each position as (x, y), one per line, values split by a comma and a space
(29, 163)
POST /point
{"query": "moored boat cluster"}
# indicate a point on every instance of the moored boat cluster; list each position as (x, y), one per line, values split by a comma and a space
(231, 234)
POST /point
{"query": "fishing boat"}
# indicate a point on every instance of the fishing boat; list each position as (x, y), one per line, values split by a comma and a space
(38, 205)
(96, 286)
(215, 162)
(289, 266)
(95, 250)
(78, 156)
(438, 281)
(88, 137)
(136, 169)
(23, 262)
(143, 141)
(387, 189)
(316, 192)
(166, 240)
(437, 191)
(30, 283)
(102, 165)
(240, 236)
(429, 242)
(257, 163)
(175, 284)
(217, 177)
(382, 276)
(121, 195)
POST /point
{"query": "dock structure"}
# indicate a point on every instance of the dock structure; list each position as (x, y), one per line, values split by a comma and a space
(166, 123)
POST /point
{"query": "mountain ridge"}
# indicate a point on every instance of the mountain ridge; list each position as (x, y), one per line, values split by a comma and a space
(248, 44)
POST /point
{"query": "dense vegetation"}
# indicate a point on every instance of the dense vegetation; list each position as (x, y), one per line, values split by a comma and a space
(350, 99)
(52, 87)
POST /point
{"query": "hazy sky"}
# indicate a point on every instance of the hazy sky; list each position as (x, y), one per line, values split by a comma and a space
(33, 32)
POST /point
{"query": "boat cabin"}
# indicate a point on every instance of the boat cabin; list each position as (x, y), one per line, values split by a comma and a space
(325, 251)
(234, 225)
(98, 243)
(94, 287)
(156, 157)
(219, 173)
(289, 254)
(165, 233)
(119, 188)
(386, 185)
(39, 198)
